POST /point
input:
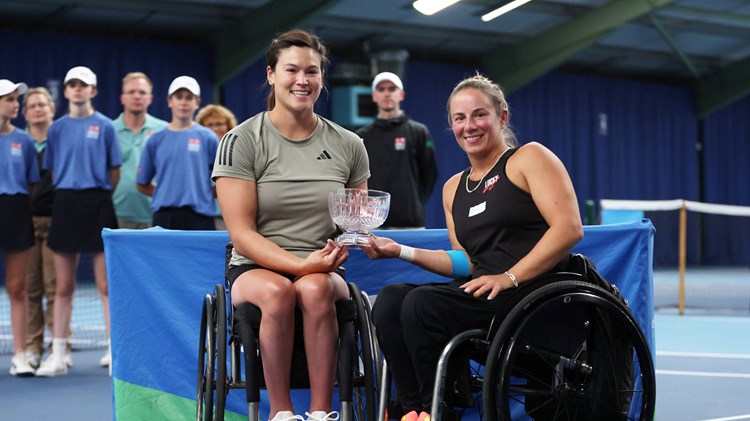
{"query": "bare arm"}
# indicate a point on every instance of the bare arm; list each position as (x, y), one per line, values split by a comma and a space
(239, 204)
(147, 189)
(114, 176)
(535, 169)
(436, 261)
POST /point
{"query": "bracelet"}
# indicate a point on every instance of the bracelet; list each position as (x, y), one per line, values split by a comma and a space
(406, 253)
(512, 278)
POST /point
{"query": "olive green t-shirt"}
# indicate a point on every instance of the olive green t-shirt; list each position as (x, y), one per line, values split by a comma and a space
(293, 178)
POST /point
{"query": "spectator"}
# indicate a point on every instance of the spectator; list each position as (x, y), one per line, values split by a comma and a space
(83, 155)
(134, 126)
(402, 156)
(220, 120)
(181, 157)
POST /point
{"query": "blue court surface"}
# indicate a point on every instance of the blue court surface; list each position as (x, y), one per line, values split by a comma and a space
(702, 362)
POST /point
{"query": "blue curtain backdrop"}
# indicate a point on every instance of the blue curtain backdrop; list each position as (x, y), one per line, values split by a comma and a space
(618, 139)
(726, 180)
(43, 59)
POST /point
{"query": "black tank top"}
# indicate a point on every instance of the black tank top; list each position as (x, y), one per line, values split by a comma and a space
(497, 223)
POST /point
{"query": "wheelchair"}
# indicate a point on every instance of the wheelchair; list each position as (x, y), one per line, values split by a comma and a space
(564, 347)
(226, 332)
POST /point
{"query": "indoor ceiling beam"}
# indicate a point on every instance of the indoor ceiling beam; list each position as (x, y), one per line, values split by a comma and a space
(723, 87)
(246, 39)
(524, 62)
(673, 45)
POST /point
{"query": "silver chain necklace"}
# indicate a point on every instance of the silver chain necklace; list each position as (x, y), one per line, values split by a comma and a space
(485, 174)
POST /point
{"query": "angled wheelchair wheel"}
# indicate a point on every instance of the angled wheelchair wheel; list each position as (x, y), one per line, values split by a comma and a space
(212, 369)
(569, 351)
(206, 355)
(366, 374)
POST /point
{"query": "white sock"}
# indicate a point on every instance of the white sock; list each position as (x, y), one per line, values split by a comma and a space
(58, 347)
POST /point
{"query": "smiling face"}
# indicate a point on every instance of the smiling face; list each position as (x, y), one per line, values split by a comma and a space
(296, 79)
(475, 122)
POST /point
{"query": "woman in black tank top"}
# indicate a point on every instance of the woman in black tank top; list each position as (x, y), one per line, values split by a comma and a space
(511, 217)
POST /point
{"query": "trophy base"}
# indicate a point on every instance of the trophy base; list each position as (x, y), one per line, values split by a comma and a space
(353, 239)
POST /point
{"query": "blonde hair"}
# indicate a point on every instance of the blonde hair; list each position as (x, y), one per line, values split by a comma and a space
(137, 75)
(39, 90)
(216, 110)
(496, 96)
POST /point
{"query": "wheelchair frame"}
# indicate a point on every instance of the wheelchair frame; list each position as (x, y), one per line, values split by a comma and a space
(357, 390)
(569, 394)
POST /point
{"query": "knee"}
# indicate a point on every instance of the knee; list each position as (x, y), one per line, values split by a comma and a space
(417, 306)
(387, 307)
(16, 290)
(315, 295)
(279, 302)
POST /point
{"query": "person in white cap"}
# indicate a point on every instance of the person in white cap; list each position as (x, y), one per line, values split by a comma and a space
(20, 172)
(83, 155)
(134, 126)
(181, 157)
(402, 155)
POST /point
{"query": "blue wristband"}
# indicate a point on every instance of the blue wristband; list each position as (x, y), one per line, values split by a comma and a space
(460, 262)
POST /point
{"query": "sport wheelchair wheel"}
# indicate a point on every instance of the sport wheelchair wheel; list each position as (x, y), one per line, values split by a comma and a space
(212, 356)
(366, 368)
(599, 368)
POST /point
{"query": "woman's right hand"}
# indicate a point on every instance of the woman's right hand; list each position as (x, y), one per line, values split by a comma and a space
(327, 259)
(381, 247)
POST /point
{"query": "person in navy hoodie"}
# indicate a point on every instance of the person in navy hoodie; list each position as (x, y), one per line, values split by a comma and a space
(83, 154)
(18, 173)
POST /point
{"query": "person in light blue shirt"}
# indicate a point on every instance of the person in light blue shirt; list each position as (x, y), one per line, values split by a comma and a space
(18, 173)
(83, 155)
(134, 126)
(181, 157)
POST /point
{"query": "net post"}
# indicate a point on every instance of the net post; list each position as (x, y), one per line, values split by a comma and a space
(682, 257)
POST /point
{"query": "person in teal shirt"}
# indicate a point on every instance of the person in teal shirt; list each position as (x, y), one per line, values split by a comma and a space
(134, 126)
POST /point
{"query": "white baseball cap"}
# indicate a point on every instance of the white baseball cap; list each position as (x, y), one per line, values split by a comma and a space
(184, 82)
(82, 73)
(391, 77)
(8, 87)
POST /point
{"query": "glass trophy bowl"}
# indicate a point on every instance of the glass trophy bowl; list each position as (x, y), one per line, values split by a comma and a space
(358, 211)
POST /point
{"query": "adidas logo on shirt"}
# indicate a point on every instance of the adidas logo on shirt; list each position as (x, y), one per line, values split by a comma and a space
(324, 155)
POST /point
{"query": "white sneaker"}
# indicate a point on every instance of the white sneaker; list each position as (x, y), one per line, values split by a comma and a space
(322, 416)
(33, 359)
(68, 359)
(106, 359)
(20, 367)
(52, 367)
(286, 416)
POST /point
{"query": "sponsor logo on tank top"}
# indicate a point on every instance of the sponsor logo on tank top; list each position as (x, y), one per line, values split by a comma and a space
(489, 184)
(194, 145)
(92, 132)
(399, 143)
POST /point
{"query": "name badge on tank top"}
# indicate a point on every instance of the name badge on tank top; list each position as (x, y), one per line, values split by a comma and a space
(476, 210)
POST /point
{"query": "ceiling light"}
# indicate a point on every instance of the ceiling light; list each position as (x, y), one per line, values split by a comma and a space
(430, 7)
(503, 9)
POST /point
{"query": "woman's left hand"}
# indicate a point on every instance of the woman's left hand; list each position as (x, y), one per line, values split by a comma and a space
(492, 283)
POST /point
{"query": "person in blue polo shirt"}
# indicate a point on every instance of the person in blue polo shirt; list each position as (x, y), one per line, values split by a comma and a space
(18, 173)
(83, 155)
(181, 158)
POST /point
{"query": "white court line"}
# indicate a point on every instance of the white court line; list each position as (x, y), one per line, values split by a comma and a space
(702, 355)
(703, 374)
(736, 417)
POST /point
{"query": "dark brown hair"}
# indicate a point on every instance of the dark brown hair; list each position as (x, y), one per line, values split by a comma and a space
(294, 38)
